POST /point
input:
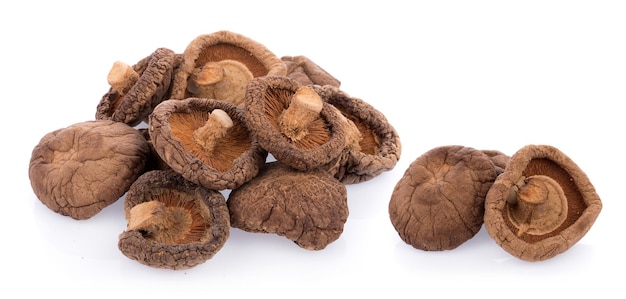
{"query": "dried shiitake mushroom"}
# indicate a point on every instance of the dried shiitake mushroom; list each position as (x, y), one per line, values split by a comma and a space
(541, 205)
(79, 170)
(379, 146)
(173, 223)
(207, 141)
(306, 72)
(293, 123)
(219, 66)
(136, 90)
(310, 208)
(438, 204)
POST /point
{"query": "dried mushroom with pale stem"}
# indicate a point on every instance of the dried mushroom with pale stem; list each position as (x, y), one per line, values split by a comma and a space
(136, 90)
(306, 72)
(310, 208)
(79, 170)
(378, 149)
(220, 65)
(541, 205)
(438, 204)
(173, 223)
(293, 123)
(207, 141)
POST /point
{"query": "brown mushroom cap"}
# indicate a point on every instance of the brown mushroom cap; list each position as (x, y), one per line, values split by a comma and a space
(499, 159)
(541, 205)
(225, 45)
(267, 99)
(146, 86)
(309, 208)
(234, 158)
(306, 72)
(438, 204)
(379, 147)
(173, 223)
(79, 170)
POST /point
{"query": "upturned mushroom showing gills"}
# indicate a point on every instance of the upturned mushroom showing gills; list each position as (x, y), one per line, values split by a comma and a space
(173, 223)
(238, 56)
(79, 170)
(292, 122)
(136, 90)
(541, 205)
(207, 141)
(307, 207)
(379, 147)
(438, 204)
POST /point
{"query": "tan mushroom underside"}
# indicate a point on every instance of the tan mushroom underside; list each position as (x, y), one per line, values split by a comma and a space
(156, 206)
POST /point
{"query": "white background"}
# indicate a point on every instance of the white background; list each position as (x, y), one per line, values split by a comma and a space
(484, 74)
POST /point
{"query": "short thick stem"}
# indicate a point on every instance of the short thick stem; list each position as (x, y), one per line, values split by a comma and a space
(304, 108)
(122, 77)
(215, 128)
(158, 222)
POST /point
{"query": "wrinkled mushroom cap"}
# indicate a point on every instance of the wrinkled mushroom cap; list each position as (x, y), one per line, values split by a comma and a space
(547, 233)
(309, 208)
(379, 147)
(267, 98)
(235, 158)
(155, 74)
(225, 45)
(306, 72)
(438, 204)
(156, 236)
(79, 170)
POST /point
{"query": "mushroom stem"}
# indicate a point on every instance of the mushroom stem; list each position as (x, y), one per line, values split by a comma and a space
(540, 206)
(157, 222)
(304, 108)
(122, 77)
(215, 128)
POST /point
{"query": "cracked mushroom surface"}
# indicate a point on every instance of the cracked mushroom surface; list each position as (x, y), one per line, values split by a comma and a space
(136, 90)
(308, 208)
(173, 223)
(379, 147)
(438, 204)
(207, 141)
(541, 205)
(79, 170)
(293, 123)
(220, 65)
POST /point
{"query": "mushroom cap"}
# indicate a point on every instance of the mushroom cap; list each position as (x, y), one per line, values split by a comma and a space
(156, 73)
(583, 204)
(266, 98)
(379, 147)
(207, 234)
(306, 72)
(225, 45)
(438, 204)
(79, 170)
(310, 208)
(234, 160)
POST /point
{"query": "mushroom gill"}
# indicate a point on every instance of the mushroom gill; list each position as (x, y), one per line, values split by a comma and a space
(170, 217)
(211, 137)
